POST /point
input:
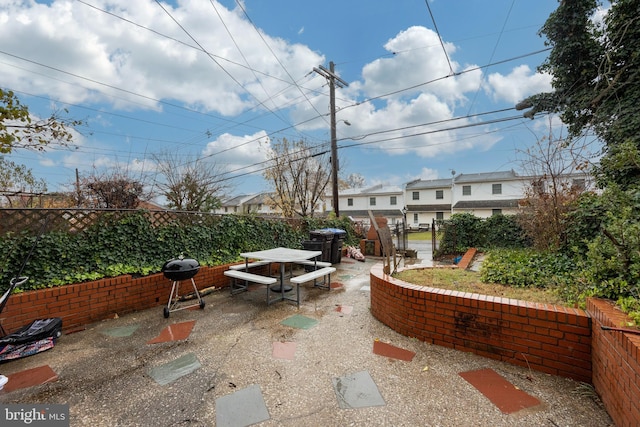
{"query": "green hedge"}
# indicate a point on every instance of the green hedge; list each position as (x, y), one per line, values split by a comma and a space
(130, 244)
(464, 230)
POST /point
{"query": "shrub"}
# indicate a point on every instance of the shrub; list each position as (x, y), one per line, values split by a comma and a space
(464, 230)
(527, 268)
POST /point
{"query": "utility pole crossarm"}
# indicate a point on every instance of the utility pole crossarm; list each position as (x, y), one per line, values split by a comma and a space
(330, 75)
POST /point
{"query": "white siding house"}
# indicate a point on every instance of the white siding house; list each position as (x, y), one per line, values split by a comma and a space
(423, 201)
(427, 200)
(486, 194)
(383, 201)
(233, 204)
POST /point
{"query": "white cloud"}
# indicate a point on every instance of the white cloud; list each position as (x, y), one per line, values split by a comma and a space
(103, 53)
(427, 174)
(418, 63)
(518, 84)
(239, 154)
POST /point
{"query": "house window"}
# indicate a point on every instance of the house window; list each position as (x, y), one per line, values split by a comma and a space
(260, 206)
(496, 212)
(579, 184)
(415, 195)
(415, 218)
(226, 209)
(235, 209)
(439, 215)
(393, 201)
(496, 188)
(439, 194)
(466, 190)
(372, 201)
(350, 201)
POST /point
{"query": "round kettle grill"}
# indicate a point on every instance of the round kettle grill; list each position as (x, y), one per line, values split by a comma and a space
(177, 270)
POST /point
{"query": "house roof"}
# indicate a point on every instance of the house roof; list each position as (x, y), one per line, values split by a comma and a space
(463, 178)
(428, 184)
(376, 189)
(429, 208)
(487, 176)
(236, 201)
(487, 204)
(377, 212)
(259, 198)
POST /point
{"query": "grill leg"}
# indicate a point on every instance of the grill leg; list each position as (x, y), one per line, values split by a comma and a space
(174, 294)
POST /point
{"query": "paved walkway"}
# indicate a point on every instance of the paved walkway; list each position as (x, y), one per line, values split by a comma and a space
(329, 363)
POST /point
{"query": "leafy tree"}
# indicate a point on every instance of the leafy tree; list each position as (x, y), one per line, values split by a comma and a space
(298, 176)
(190, 185)
(596, 81)
(18, 185)
(18, 129)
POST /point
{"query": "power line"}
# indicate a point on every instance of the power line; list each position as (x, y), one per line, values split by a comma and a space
(493, 52)
(470, 125)
(446, 55)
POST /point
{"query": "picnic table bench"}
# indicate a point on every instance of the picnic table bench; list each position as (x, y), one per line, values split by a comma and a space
(324, 272)
(247, 277)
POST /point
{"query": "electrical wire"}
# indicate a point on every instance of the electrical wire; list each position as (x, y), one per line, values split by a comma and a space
(446, 55)
(493, 52)
(239, 3)
(280, 130)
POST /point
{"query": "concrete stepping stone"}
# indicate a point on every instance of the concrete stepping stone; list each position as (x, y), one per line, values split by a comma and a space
(383, 349)
(175, 332)
(357, 391)
(169, 372)
(242, 408)
(121, 332)
(29, 378)
(499, 391)
(300, 322)
(284, 350)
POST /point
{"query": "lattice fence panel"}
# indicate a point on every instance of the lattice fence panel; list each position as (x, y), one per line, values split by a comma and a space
(35, 221)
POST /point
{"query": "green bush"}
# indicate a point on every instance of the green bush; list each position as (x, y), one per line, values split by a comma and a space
(527, 268)
(503, 231)
(460, 232)
(464, 230)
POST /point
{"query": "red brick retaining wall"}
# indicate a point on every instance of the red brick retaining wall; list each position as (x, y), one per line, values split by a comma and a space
(544, 337)
(616, 363)
(88, 302)
(548, 338)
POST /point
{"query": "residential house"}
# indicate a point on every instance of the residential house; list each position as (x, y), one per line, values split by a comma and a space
(260, 204)
(381, 200)
(427, 200)
(423, 201)
(490, 193)
(233, 205)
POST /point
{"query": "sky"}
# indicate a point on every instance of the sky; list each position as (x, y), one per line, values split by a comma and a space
(432, 84)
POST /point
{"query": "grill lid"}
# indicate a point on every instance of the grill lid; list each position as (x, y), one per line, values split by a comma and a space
(180, 268)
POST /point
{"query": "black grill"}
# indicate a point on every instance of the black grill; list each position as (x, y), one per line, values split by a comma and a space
(180, 269)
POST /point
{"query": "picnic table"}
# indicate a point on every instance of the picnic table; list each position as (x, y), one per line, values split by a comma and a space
(282, 256)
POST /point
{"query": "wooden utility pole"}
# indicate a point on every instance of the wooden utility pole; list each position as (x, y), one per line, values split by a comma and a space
(334, 81)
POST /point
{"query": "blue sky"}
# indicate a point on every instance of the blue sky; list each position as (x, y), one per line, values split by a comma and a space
(144, 85)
